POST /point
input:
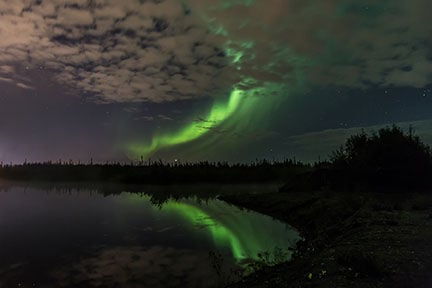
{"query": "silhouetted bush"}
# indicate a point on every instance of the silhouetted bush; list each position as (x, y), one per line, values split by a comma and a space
(387, 159)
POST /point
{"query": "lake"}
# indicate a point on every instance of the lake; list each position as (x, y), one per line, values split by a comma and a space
(162, 237)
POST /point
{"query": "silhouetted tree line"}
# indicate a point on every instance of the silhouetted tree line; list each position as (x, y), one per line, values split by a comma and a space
(156, 172)
(388, 160)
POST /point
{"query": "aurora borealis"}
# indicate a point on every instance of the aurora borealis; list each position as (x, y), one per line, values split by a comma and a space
(232, 80)
(219, 112)
(244, 93)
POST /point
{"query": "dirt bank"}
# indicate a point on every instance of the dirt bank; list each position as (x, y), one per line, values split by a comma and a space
(352, 239)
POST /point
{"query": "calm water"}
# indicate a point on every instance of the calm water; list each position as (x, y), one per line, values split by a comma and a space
(85, 239)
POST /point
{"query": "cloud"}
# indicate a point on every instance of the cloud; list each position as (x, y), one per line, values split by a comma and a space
(115, 51)
(6, 80)
(7, 74)
(152, 265)
(5, 69)
(157, 51)
(330, 42)
(24, 86)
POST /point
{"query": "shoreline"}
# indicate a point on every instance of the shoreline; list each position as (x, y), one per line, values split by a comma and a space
(360, 239)
(356, 239)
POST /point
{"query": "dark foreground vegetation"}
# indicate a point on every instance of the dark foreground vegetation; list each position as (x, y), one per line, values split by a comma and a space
(366, 216)
(385, 161)
(360, 240)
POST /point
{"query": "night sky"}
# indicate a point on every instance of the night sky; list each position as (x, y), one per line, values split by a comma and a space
(208, 79)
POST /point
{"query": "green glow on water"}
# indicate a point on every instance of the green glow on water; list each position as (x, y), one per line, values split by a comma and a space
(221, 235)
(245, 234)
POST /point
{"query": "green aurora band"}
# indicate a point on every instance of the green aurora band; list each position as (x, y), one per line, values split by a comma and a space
(219, 112)
(231, 115)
